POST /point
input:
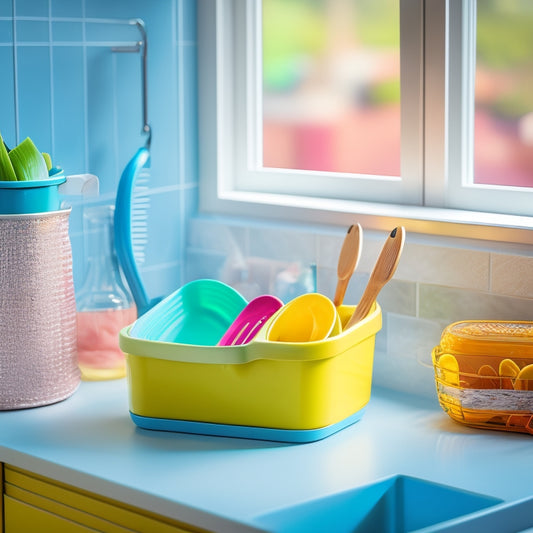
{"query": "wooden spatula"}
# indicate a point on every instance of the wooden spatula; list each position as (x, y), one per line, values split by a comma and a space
(383, 271)
(348, 259)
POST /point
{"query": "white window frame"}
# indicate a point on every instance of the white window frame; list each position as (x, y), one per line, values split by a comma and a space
(249, 174)
(225, 123)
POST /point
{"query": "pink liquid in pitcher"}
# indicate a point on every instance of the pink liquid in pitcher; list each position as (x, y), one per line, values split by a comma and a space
(99, 354)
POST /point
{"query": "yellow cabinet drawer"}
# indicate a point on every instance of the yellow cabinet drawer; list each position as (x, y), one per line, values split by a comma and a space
(21, 516)
(1, 497)
(78, 508)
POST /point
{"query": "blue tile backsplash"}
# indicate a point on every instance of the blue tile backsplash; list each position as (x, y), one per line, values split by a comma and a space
(67, 8)
(32, 31)
(30, 8)
(67, 32)
(64, 87)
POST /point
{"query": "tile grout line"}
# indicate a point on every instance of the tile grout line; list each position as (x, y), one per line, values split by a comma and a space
(490, 273)
(83, 19)
(71, 44)
(181, 126)
(51, 59)
(114, 89)
(417, 299)
(15, 77)
(85, 89)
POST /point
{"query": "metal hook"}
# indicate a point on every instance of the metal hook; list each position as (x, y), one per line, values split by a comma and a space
(141, 46)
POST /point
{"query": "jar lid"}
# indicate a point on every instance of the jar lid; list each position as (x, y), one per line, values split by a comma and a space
(489, 337)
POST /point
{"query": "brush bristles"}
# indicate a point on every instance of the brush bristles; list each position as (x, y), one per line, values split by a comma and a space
(139, 217)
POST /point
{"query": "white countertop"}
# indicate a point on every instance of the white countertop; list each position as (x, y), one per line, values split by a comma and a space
(90, 441)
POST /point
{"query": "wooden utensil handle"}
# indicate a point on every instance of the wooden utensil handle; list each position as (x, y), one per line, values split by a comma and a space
(342, 285)
(383, 271)
(364, 306)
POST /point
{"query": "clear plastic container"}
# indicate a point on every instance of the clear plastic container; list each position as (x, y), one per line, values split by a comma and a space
(484, 374)
(104, 303)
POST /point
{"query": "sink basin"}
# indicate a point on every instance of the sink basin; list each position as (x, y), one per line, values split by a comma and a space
(399, 504)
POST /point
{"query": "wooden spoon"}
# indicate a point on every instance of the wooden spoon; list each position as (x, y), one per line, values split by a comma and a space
(383, 271)
(348, 259)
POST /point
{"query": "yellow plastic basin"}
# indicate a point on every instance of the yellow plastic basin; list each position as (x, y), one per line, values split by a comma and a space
(286, 385)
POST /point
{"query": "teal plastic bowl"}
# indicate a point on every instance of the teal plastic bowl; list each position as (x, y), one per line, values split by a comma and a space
(198, 313)
(24, 197)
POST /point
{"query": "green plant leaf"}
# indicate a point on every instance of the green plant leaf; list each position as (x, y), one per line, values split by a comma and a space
(7, 172)
(47, 160)
(28, 162)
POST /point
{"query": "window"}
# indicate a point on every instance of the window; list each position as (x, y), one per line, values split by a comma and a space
(490, 110)
(407, 109)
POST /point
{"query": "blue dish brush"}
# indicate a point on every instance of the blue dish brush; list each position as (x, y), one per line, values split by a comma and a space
(132, 202)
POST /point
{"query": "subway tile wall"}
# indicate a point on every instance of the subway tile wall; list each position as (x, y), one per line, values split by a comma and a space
(63, 86)
(439, 280)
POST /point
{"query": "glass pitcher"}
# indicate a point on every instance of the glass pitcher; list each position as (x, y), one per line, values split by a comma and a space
(104, 303)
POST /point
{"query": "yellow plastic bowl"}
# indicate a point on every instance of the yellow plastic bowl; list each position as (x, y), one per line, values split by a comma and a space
(309, 317)
(262, 384)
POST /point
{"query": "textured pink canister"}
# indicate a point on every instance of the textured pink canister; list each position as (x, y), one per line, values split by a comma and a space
(38, 359)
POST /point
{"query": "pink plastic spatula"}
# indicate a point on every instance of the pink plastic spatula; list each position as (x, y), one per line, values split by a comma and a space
(250, 320)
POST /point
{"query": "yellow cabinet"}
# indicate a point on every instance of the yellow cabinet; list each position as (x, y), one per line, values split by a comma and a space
(35, 503)
(1, 498)
(20, 516)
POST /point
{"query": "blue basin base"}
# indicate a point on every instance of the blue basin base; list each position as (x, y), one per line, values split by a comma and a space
(245, 432)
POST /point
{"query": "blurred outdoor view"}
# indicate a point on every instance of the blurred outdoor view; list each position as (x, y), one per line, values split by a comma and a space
(331, 88)
(503, 121)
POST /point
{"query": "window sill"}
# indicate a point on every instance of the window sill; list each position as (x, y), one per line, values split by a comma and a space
(423, 220)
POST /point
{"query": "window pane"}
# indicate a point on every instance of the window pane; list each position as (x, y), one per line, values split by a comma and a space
(504, 97)
(331, 85)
